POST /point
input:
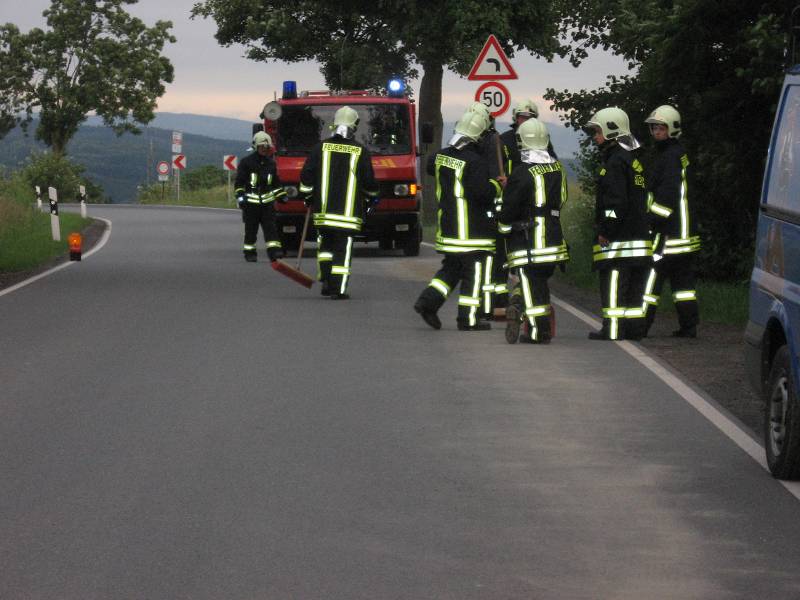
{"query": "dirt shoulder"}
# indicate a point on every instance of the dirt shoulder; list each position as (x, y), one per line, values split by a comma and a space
(713, 362)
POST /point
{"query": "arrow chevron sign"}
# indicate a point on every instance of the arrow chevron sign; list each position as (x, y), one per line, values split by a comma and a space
(229, 162)
(179, 161)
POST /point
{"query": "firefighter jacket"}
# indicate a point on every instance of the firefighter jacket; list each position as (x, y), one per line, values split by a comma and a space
(621, 210)
(465, 195)
(511, 155)
(338, 174)
(531, 214)
(669, 200)
(490, 148)
(257, 180)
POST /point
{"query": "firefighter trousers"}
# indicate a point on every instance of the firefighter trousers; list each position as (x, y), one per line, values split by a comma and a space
(678, 269)
(257, 215)
(334, 257)
(534, 289)
(495, 285)
(621, 296)
(466, 270)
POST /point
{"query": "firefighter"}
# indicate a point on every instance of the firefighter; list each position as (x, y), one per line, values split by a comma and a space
(465, 232)
(335, 179)
(530, 217)
(676, 240)
(490, 150)
(623, 250)
(257, 187)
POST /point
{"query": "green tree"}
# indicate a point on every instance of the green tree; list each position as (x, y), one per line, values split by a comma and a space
(94, 56)
(360, 43)
(721, 64)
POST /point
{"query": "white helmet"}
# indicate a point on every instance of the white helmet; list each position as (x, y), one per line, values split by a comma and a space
(614, 124)
(525, 108)
(470, 127)
(262, 138)
(666, 115)
(533, 141)
(480, 108)
(345, 122)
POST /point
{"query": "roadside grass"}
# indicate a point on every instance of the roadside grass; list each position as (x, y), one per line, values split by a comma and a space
(26, 239)
(215, 197)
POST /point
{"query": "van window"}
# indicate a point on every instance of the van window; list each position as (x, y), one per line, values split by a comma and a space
(783, 191)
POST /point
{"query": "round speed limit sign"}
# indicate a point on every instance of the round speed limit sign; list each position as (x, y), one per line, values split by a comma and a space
(494, 96)
(163, 168)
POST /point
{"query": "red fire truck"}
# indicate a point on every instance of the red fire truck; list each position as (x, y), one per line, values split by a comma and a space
(387, 127)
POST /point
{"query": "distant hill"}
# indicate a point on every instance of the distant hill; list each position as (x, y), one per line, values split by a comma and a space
(120, 164)
(220, 128)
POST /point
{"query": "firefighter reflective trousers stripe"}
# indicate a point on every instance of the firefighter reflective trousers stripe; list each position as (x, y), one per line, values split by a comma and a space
(495, 286)
(255, 216)
(621, 296)
(334, 257)
(535, 290)
(679, 270)
(466, 270)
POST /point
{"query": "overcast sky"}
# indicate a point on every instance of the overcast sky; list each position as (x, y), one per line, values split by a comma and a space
(212, 80)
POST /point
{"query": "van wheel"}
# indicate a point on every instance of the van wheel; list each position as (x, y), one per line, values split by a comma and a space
(782, 419)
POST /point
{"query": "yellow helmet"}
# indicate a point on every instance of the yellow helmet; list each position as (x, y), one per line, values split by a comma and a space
(346, 116)
(666, 115)
(472, 125)
(262, 138)
(525, 108)
(612, 122)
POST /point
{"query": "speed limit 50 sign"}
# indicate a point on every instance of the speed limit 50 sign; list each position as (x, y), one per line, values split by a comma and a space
(494, 96)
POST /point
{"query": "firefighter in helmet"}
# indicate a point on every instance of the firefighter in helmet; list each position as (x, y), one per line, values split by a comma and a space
(465, 232)
(336, 179)
(623, 251)
(530, 217)
(676, 241)
(257, 188)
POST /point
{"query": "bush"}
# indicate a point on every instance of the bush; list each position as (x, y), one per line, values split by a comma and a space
(47, 170)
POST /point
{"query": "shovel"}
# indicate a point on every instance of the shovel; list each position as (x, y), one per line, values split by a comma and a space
(294, 273)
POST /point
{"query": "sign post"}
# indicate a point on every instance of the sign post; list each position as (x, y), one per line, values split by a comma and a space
(178, 164)
(163, 175)
(229, 164)
(55, 224)
(177, 148)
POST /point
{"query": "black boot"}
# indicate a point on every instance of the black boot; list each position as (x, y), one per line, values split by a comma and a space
(480, 325)
(250, 257)
(428, 315)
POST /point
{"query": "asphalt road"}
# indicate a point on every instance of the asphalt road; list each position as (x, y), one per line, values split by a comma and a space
(176, 423)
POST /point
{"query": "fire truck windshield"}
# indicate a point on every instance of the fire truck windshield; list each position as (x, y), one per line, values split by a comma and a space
(382, 128)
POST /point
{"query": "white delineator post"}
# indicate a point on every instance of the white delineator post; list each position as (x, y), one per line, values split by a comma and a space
(83, 200)
(38, 197)
(55, 224)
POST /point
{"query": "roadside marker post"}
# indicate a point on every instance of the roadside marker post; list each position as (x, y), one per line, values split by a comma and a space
(55, 224)
(82, 190)
(38, 197)
(229, 163)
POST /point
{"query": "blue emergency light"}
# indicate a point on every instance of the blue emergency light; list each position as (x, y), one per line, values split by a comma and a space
(290, 89)
(396, 87)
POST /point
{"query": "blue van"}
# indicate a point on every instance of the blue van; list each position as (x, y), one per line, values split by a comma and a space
(772, 335)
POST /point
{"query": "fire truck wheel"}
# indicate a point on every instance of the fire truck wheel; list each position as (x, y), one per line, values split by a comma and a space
(411, 245)
(385, 243)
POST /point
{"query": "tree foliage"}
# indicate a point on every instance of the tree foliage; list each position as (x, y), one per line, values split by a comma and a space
(721, 64)
(360, 43)
(93, 56)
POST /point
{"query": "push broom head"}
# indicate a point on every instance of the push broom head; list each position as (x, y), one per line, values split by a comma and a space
(292, 273)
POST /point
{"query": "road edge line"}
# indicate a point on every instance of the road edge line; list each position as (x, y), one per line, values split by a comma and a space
(64, 265)
(706, 406)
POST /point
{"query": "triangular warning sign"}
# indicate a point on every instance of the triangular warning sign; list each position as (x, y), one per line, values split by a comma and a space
(492, 63)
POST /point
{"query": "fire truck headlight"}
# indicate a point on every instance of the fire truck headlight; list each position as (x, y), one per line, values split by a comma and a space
(401, 189)
(291, 191)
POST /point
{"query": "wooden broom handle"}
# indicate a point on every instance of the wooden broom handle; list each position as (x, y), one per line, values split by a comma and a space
(303, 238)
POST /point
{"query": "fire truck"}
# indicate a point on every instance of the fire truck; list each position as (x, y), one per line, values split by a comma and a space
(298, 121)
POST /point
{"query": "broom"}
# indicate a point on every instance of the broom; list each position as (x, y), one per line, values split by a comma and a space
(294, 273)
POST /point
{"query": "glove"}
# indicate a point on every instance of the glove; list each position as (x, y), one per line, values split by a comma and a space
(241, 200)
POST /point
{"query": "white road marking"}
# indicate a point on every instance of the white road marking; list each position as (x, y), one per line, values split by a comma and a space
(100, 244)
(720, 420)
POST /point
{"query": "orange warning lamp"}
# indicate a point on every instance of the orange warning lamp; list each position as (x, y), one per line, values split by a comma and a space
(74, 240)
